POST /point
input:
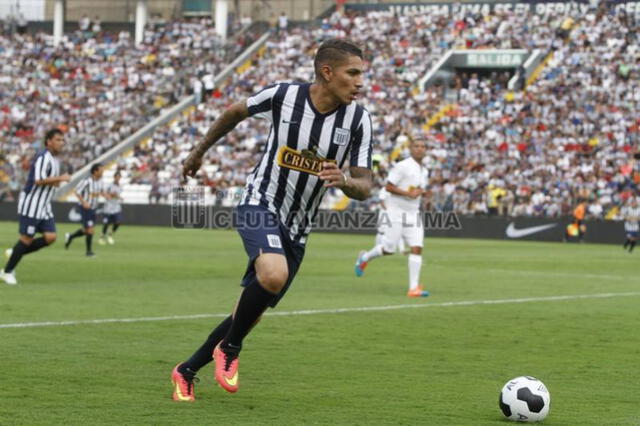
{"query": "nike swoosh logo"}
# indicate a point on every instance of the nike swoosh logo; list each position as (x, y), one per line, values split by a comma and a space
(512, 232)
(180, 396)
(232, 381)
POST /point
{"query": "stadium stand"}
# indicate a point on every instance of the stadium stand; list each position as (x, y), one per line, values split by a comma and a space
(97, 75)
(494, 151)
(404, 46)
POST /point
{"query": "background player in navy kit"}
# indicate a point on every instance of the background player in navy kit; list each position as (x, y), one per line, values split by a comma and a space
(112, 210)
(34, 205)
(88, 191)
(315, 129)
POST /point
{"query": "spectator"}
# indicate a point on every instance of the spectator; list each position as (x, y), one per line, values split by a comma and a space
(283, 23)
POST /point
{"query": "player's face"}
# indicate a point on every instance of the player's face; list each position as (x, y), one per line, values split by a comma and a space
(346, 79)
(55, 144)
(98, 173)
(418, 150)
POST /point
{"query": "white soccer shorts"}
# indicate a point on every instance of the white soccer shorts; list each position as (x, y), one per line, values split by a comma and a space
(402, 225)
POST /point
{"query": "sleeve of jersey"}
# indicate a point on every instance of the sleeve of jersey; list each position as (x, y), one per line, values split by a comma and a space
(82, 185)
(40, 169)
(261, 103)
(361, 145)
(395, 175)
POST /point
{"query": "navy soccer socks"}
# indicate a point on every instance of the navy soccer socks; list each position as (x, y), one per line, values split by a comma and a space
(202, 356)
(252, 304)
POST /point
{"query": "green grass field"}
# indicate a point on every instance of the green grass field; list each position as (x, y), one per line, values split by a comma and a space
(424, 362)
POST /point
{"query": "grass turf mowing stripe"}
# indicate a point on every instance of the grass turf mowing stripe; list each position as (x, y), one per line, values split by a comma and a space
(328, 311)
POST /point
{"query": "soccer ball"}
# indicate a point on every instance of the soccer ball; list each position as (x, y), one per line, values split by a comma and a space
(525, 399)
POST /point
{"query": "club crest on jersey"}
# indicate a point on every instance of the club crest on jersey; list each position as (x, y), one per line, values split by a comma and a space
(307, 160)
(341, 136)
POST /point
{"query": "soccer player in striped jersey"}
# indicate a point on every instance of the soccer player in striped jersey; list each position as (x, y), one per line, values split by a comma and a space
(112, 210)
(316, 129)
(631, 215)
(34, 205)
(88, 191)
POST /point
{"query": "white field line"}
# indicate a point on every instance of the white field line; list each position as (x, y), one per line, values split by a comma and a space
(328, 311)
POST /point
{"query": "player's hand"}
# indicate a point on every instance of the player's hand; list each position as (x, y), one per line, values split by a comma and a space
(332, 175)
(414, 193)
(191, 165)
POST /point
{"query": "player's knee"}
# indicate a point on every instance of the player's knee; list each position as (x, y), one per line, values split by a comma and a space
(416, 250)
(388, 248)
(273, 280)
(26, 240)
(50, 239)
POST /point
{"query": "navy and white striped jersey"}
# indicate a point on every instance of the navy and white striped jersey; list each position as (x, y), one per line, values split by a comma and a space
(285, 181)
(631, 216)
(112, 205)
(90, 190)
(35, 200)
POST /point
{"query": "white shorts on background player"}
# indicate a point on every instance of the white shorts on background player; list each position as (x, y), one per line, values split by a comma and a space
(400, 225)
(383, 228)
(383, 225)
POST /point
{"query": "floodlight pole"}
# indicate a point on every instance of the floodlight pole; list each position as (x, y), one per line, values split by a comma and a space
(58, 21)
(141, 20)
(222, 15)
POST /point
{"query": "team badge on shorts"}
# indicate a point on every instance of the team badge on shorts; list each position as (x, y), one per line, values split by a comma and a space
(274, 241)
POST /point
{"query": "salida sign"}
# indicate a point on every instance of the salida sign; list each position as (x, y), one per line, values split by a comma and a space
(494, 60)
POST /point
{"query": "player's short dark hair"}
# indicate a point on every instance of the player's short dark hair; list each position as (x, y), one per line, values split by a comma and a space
(335, 50)
(51, 133)
(95, 167)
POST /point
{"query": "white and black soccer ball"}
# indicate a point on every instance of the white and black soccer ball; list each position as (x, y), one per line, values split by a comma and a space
(525, 399)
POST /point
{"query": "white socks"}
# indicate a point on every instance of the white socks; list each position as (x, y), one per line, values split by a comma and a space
(372, 254)
(415, 264)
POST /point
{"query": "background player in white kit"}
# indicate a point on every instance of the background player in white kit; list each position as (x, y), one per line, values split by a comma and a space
(112, 210)
(406, 184)
(631, 215)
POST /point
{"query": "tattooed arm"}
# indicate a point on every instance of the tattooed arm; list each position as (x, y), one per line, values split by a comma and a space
(227, 121)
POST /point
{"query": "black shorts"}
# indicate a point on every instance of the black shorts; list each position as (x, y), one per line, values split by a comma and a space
(112, 218)
(29, 226)
(262, 232)
(88, 217)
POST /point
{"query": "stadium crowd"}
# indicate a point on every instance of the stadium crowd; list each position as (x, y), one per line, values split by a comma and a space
(97, 86)
(569, 137)
(496, 152)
